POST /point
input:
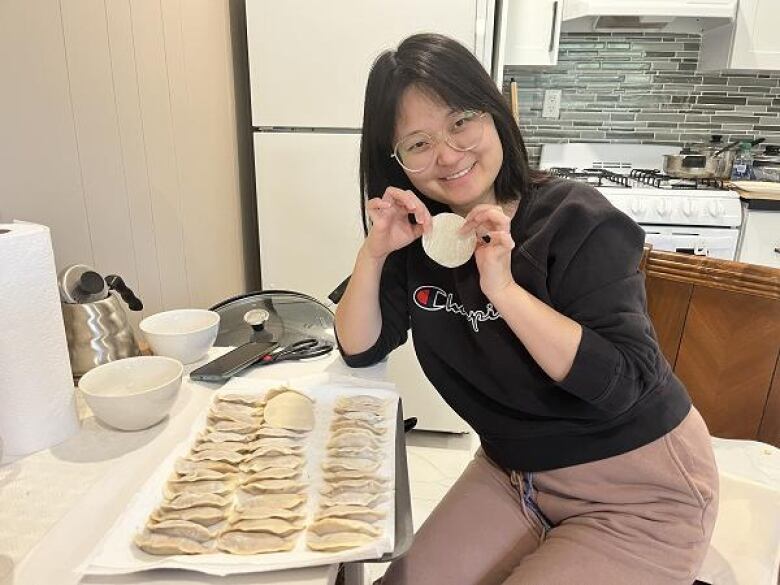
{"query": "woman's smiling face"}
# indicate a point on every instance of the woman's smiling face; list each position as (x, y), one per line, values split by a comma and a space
(459, 179)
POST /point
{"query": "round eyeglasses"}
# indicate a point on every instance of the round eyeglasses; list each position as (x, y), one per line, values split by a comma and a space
(463, 132)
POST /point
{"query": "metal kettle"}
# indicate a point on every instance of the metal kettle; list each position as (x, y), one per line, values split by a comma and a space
(96, 326)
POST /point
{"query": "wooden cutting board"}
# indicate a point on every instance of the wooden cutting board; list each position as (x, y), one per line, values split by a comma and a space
(758, 190)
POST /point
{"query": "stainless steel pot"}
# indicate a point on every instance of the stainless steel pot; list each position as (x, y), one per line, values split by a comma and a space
(692, 165)
(712, 160)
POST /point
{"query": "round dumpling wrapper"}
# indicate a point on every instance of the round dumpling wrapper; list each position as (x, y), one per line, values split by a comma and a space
(290, 410)
(444, 245)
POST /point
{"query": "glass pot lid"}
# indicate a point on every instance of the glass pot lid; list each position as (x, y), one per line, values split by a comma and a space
(273, 315)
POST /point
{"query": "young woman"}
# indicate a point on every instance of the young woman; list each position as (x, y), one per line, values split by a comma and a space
(594, 467)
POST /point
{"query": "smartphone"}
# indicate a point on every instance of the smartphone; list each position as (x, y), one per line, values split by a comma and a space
(230, 364)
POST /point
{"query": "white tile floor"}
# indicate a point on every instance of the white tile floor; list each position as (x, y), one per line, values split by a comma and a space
(435, 461)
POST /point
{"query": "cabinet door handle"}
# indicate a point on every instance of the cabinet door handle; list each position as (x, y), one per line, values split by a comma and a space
(777, 250)
(553, 26)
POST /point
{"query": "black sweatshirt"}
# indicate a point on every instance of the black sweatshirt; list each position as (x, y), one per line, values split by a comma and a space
(580, 255)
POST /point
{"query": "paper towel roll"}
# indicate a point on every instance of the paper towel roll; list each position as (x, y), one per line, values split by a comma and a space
(37, 397)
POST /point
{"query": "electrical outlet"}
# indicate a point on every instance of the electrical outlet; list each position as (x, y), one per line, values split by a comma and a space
(552, 103)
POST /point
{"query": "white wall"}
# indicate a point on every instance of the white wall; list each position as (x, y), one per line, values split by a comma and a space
(118, 130)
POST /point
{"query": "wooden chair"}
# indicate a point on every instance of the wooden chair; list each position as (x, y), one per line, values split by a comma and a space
(718, 324)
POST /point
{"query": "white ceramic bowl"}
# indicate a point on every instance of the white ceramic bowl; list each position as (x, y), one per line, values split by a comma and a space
(182, 334)
(132, 393)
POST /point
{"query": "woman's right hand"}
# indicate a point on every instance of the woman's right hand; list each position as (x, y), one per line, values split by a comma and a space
(390, 226)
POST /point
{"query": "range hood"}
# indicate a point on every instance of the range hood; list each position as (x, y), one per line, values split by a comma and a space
(677, 16)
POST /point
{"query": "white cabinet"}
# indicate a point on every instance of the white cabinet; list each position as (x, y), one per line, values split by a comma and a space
(760, 241)
(749, 43)
(530, 30)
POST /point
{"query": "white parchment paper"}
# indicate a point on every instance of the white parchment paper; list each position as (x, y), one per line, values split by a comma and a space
(116, 553)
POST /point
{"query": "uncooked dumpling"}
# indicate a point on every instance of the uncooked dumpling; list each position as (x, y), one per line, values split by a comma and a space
(173, 488)
(275, 450)
(351, 451)
(250, 399)
(274, 486)
(183, 529)
(363, 513)
(368, 417)
(215, 455)
(271, 473)
(202, 515)
(332, 525)
(162, 544)
(290, 410)
(354, 463)
(236, 446)
(361, 402)
(289, 461)
(291, 442)
(287, 501)
(351, 499)
(251, 543)
(352, 439)
(234, 417)
(219, 408)
(231, 426)
(184, 501)
(273, 432)
(186, 467)
(341, 424)
(278, 526)
(261, 512)
(337, 541)
(201, 474)
(340, 474)
(224, 436)
(359, 485)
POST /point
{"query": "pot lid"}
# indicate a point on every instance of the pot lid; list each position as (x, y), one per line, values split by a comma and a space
(273, 315)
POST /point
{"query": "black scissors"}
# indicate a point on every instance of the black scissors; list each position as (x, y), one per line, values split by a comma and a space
(300, 350)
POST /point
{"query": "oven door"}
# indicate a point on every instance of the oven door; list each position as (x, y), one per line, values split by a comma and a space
(700, 241)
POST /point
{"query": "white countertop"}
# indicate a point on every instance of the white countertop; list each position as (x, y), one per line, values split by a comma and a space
(56, 504)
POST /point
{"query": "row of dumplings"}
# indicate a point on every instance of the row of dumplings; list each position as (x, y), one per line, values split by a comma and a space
(351, 511)
(242, 487)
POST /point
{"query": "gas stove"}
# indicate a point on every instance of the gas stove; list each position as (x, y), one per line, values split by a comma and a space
(635, 178)
(696, 216)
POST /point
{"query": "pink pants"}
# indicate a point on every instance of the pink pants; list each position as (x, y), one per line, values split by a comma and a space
(641, 518)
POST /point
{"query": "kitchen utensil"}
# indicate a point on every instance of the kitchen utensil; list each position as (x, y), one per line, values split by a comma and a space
(514, 101)
(116, 283)
(299, 350)
(97, 333)
(134, 393)
(709, 161)
(291, 316)
(183, 334)
(80, 283)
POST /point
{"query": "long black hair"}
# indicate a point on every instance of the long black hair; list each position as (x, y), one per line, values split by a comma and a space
(445, 69)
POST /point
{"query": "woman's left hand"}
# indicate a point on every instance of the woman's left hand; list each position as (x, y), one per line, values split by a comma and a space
(494, 247)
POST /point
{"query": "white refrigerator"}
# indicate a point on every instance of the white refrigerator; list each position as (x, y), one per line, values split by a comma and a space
(308, 63)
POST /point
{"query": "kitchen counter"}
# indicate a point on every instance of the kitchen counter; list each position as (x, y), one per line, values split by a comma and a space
(58, 503)
(760, 200)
